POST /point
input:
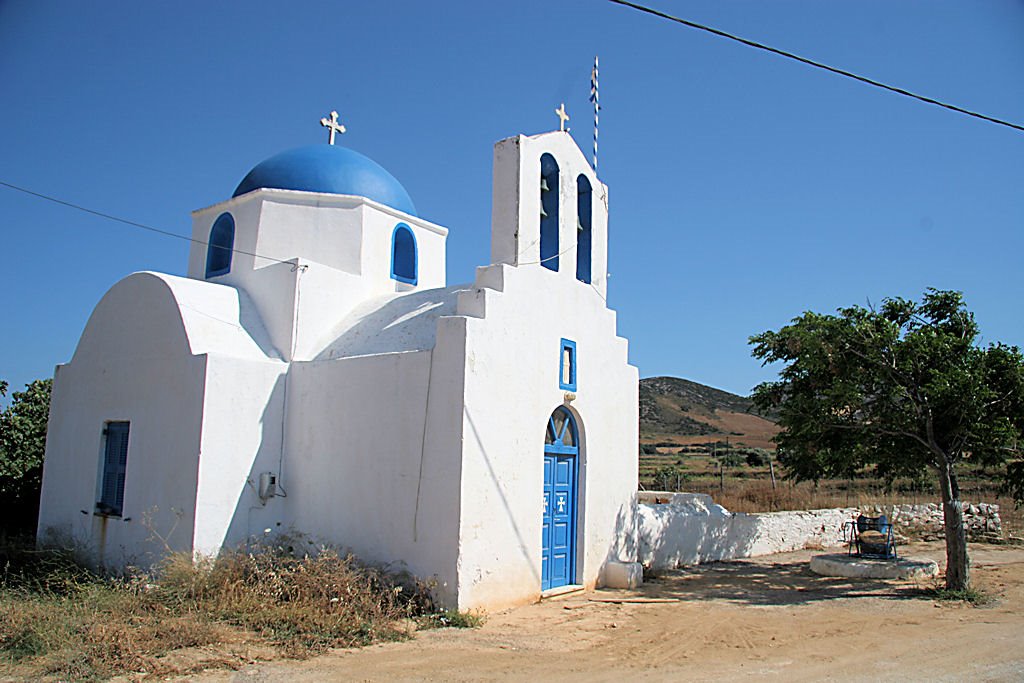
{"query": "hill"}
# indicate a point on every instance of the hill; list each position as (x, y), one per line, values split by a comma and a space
(679, 411)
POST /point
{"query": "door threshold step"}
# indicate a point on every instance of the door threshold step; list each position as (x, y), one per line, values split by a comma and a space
(561, 590)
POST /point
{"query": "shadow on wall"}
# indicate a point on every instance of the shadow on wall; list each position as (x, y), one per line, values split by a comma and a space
(678, 529)
(252, 516)
(499, 488)
(625, 545)
(407, 322)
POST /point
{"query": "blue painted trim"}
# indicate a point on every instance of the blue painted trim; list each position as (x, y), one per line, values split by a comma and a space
(402, 277)
(554, 451)
(571, 346)
(219, 248)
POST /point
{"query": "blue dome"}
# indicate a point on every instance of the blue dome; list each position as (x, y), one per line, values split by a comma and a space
(331, 169)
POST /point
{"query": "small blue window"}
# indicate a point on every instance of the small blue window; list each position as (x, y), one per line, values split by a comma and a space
(584, 213)
(403, 254)
(549, 212)
(221, 244)
(567, 366)
(115, 464)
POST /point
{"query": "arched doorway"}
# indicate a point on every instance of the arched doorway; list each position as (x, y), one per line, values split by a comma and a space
(561, 472)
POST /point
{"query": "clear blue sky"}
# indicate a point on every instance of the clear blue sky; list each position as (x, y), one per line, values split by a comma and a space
(744, 188)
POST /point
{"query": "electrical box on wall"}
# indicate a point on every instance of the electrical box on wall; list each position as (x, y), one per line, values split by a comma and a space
(268, 486)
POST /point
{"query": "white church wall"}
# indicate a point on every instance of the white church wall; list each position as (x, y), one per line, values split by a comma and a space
(356, 477)
(379, 225)
(330, 234)
(512, 359)
(241, 438)
(132, 363)
(337, 251)
(245, 211)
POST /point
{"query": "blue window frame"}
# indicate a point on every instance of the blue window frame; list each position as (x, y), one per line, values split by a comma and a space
(549, 212)
(567, 365)
(584, 212)
(115, 465)
(220, 246)
(403, 255)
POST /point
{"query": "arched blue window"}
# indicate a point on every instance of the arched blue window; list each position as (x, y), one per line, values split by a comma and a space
(222, 241)
(584, 212)
(548, 212)
(403, 254)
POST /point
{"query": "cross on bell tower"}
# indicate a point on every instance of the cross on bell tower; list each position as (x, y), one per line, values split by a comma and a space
(562, 116)
(333, 125)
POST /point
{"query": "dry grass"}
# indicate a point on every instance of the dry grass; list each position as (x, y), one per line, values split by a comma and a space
(60, 621)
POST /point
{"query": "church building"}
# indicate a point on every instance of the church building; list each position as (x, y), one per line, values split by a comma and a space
(314, 373)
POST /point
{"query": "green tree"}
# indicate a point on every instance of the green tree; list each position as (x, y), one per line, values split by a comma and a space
(22, 445)
(901, 390)
(670, 478)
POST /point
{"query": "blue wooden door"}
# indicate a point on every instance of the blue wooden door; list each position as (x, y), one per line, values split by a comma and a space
(558, 543)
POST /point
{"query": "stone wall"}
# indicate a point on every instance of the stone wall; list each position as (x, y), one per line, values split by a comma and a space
(677, 529)
(924, 522)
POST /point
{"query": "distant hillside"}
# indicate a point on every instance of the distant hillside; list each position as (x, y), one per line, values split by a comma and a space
(680, 411)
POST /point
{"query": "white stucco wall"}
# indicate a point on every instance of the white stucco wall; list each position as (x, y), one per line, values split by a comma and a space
(168, 355)
(359, 476)
(132, 363)
(241, 437)
(512, 386)
(689, 528)
(336, 251)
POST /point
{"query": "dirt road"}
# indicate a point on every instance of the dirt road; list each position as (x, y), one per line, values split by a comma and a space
(763, 618)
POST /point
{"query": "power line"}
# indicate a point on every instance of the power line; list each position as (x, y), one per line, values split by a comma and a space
(135, 224)
(819, 65)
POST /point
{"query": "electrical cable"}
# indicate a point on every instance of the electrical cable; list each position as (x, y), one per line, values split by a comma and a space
(135, 224)
(818, 65)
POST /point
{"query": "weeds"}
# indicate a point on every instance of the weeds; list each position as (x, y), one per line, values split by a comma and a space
(974, 596)
(451, 619)
(62, 620)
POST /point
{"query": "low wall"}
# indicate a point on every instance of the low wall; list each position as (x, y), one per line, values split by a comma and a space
(677, 529)
(690, 528)
(925, 522)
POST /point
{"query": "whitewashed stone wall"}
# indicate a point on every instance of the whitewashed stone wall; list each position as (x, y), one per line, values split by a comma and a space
(678, 529)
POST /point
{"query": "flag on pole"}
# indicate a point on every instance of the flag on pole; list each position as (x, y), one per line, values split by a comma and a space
(597, 105)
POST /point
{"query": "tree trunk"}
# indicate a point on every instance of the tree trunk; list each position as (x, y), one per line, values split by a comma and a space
(771, 469)
(958, 565)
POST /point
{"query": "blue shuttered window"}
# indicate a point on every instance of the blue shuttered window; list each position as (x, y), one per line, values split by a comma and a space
(115, 464)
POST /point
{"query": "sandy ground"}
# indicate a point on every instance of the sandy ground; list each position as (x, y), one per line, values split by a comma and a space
(762, 618)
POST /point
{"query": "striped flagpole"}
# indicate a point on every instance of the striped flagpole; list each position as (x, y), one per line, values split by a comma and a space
(597, 106)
